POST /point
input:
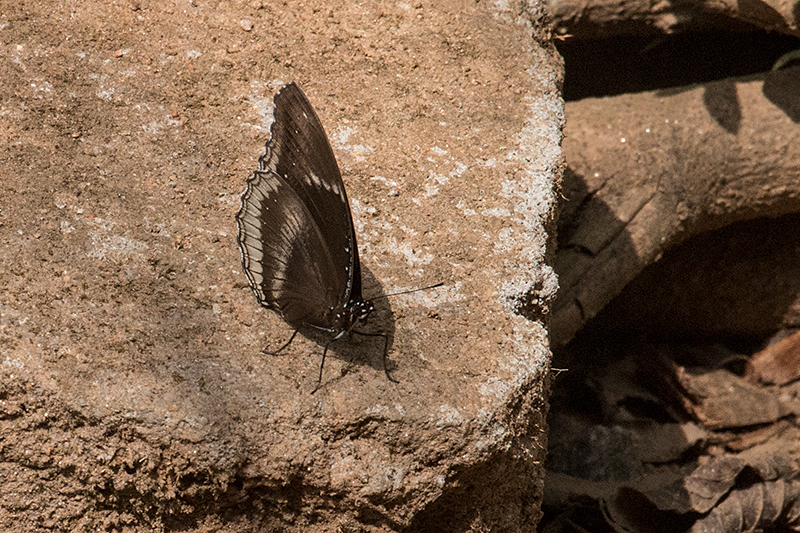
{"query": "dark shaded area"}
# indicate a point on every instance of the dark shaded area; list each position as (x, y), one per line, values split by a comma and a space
(627, 64)
(722, 103)
(496, 493)
(737, 283)
(782, 87)
(641, 406)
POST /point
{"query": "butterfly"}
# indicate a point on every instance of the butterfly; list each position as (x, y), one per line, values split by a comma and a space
(296, 233)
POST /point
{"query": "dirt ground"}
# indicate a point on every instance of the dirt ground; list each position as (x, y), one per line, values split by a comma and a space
(134, 395)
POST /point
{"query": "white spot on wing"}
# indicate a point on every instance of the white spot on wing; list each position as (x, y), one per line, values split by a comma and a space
(256, 254)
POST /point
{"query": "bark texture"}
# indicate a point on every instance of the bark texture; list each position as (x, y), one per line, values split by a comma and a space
(647, 171)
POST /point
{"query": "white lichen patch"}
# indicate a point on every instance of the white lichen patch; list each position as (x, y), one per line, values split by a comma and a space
(107, 246)
(261, 97)
(447, 416)
(341, 140)
(537, 157)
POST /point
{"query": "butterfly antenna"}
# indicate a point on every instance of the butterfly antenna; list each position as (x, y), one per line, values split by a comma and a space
(409, 291)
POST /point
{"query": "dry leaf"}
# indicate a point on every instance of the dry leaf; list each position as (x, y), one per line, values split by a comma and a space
(755, 508)
(779, 362)
(721, 399)
(701, 490)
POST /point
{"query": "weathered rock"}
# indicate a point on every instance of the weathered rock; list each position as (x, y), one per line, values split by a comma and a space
(134, 392)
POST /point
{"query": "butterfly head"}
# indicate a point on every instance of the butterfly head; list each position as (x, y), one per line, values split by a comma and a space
(363, 309)
(355, 312)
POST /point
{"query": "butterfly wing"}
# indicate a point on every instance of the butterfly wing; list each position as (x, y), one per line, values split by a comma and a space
(295, 228)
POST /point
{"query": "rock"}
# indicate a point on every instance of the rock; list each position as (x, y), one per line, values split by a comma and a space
(135, 392)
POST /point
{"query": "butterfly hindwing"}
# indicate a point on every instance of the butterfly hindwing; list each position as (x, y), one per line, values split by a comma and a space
(282, 253)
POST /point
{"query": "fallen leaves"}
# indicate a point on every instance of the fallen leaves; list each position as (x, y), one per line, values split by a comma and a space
(778, 363)
(683, 443)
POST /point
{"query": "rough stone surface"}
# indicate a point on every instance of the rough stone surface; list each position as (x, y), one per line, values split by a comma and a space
(134, 393)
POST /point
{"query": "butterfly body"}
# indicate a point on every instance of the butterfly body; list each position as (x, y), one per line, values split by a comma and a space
(296, 232)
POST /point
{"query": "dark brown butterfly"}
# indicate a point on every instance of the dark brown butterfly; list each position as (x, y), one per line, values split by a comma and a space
(296, 232)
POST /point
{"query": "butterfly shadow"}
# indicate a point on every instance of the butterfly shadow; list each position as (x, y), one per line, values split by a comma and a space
(362, 345)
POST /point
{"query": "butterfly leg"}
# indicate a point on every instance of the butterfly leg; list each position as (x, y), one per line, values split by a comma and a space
(276, 352)
(321, 366)
(385, 350)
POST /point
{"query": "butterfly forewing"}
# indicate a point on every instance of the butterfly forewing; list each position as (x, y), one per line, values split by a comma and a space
(295, 229)
(299, 152)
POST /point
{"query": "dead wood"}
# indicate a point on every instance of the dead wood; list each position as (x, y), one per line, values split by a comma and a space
(589, 19)
(740, 281)
(650, 170)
